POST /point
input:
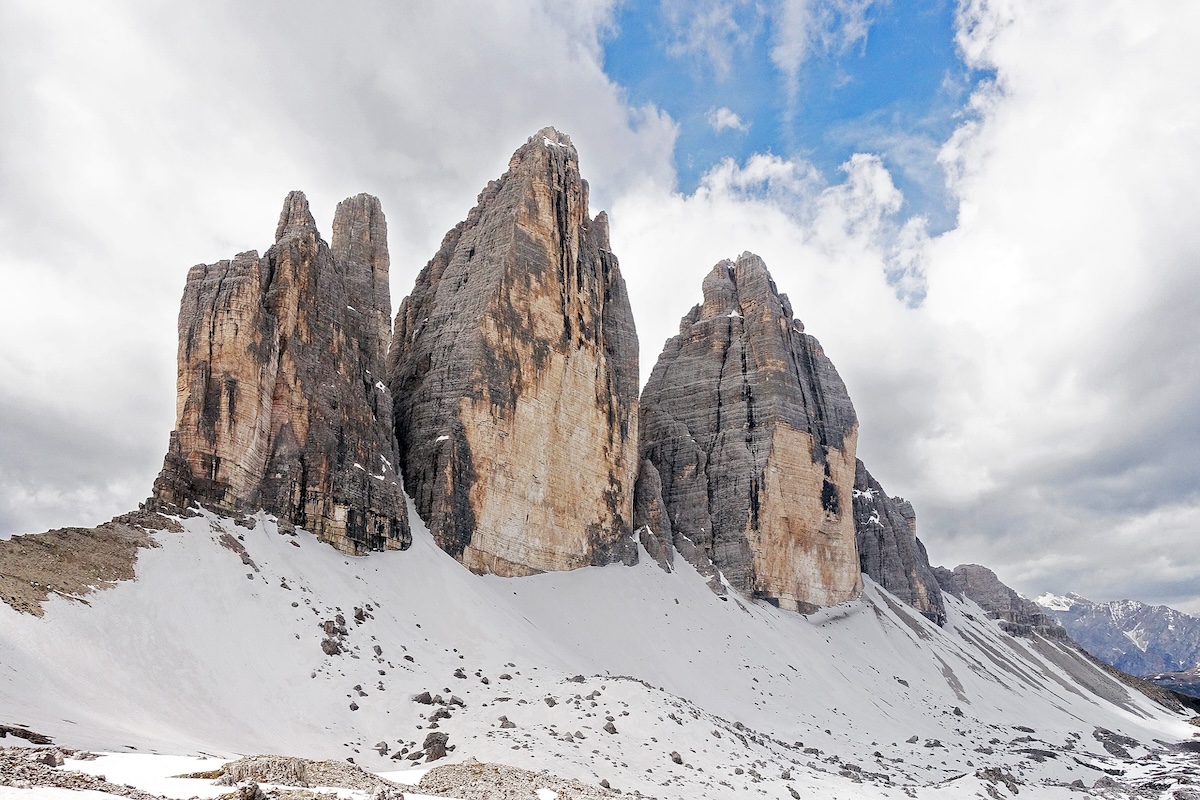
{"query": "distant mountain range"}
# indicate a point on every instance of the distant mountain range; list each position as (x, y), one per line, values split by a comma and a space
(1155, 642)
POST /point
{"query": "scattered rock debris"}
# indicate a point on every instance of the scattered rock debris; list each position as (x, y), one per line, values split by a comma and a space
(473, 780)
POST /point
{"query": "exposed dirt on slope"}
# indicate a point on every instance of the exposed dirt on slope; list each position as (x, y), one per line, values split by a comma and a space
(73, 562)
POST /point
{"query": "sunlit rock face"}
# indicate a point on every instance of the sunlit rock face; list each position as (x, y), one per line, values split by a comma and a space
(514, 371)
(753, 437)
(889, 550)
(281, 401)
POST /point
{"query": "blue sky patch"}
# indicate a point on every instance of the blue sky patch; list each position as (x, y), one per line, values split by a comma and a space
(899, 92)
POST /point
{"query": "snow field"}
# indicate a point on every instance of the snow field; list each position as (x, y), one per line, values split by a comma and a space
(205, 654)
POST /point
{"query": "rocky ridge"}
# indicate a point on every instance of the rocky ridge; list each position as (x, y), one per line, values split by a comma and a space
(1018, 615)
(281, 403)
(753, 436)
(511, 405)
(888, 548)
(513, 369)
(74, 562)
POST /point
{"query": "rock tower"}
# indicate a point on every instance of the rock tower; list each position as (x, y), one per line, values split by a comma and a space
(281, 401)
(889, 550)
(752, 436)
(514, 372)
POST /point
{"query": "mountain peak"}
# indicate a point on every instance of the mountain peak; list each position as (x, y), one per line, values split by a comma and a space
(514, 373)
(276, 405)
(295, 216)
(753, 435)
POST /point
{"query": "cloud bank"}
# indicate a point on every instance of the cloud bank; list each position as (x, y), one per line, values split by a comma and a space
(1030, 378)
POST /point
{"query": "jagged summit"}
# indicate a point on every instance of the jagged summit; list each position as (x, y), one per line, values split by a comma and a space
(752, 435)
(295, 218)
(513, 367)
(1132, 636)
(281, 404)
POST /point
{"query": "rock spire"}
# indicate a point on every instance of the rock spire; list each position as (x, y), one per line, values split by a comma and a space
(281, 403)
(888, 548)
(753, 436)
(514, 371)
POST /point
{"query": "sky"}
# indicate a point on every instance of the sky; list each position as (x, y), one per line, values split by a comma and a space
(984, 210)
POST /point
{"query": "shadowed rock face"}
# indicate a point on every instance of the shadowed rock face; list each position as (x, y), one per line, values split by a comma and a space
(753, 437)
(650, 516)
(281, 403)
(514, 371)
(889, 550)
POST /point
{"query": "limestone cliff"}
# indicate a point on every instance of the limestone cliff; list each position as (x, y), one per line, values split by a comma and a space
(514, 372)
(753, 436)
(888, 548)
(281, 403)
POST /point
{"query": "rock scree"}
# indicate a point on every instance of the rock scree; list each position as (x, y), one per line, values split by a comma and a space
(73, 562)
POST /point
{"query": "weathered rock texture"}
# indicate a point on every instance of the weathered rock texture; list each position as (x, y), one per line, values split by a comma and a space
(1017, 615)
(650, 516)
(514, 371)
(753, 436)
(281, 402)
(888, 548)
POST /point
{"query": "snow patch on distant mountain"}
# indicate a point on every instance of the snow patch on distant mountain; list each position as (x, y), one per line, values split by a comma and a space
(1054, 602)
(1130, 635)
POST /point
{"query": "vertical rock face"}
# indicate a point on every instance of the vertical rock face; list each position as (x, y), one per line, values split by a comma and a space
(753, 436)
(1018, 616)
(650, 516)
(514, 371)
(281, 403)
(888, 548)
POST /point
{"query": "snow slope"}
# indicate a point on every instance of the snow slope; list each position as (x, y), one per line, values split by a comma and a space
(204, 654)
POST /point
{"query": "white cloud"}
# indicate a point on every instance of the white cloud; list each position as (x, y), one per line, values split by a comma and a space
(1075, 250)
(711, 30)
(136, 143)
(724, 119)
(829, 246)
(802, 26)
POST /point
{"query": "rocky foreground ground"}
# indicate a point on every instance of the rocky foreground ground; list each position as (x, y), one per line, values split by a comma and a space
(268, 777)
